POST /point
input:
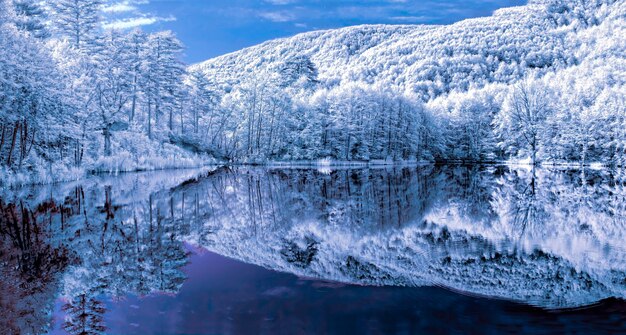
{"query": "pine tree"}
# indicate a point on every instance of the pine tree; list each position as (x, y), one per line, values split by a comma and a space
(164, 74)
(136, 41)
(30, 16)
(296, 69)
(77, 20)
(112, 80)
(85, 316)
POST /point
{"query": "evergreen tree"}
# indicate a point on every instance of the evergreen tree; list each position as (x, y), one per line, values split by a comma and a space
(31, 17)
(77, 20)
(85, 315)
(112, 80)
(164, 74)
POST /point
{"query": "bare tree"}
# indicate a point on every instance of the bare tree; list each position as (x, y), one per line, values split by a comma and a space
(521, 122)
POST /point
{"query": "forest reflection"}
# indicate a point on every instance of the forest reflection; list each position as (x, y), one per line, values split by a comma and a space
(552, 238)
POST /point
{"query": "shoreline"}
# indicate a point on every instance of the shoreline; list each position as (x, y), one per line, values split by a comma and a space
(322, 165)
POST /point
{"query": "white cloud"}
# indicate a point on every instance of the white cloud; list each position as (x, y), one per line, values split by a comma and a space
(126, 14)
(136, 22)
(119, 8)
(420, 18)
(124, 6)
(281, 16)
(281, 2)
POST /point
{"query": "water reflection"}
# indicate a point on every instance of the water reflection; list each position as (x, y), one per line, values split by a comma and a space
(548, 238)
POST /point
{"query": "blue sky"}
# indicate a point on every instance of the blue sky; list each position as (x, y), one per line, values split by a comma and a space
(210, 28)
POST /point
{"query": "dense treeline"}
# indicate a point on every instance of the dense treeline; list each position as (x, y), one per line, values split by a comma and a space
(353, 122)
(76, 97)
(553, 119)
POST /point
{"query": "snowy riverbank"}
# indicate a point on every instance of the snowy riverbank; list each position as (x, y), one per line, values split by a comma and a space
(124, 163)
(57, 173)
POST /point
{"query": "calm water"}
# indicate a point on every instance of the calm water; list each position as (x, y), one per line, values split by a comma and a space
(433, 250)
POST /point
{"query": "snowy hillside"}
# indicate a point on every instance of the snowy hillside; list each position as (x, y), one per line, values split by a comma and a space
(430, 60)
(458, 87)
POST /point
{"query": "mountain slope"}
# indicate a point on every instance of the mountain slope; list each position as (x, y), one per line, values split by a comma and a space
(431, 60)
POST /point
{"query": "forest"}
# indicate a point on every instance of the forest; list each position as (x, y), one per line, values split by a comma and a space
(539, 84)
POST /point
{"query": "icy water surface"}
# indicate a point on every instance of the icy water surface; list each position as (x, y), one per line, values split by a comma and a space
(452, 249)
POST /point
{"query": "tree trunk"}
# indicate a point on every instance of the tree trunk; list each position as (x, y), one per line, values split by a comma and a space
(182, 121)
(249, 135)
(258, 136)
(134, 100)
(584, 153)
(2, 139)
(77, 153)
(534, 154)
(157, 111)
(149, 119)
(171, 121)
(271, 134)
(13, 139)
(107, 140)
(348, 146)
(23, 143)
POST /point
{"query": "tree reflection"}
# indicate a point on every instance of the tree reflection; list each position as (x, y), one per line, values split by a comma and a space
(85, 315)
(513, 233)
(29, 264)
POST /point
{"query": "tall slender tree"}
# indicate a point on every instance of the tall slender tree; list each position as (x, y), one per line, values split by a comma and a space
(77, 20)
(164, 75)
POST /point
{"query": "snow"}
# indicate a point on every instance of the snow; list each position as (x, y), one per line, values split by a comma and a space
(467, 74)
(359, 96)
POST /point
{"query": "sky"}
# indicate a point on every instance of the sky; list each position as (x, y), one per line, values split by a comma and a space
(211, 28)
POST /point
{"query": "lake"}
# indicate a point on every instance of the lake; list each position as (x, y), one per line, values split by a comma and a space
(243, 250)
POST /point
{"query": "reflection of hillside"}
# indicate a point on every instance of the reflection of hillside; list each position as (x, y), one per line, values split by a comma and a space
(497, 232)
(550, 238)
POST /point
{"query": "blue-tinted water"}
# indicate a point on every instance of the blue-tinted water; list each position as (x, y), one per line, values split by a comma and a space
(432, 250)
(223, 296)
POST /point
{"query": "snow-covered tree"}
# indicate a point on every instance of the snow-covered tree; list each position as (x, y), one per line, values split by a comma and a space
(77, 20)
(112, 81)
(136, 42)
(164, 78)
(31, 17)
(521, 124)
(296, 69)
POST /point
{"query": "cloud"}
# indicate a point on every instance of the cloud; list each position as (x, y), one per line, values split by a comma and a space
(124, 6)
(127, 14)
(119, 8)
(136, 22)
(281, 16)
(418, 18)
(281, 2)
